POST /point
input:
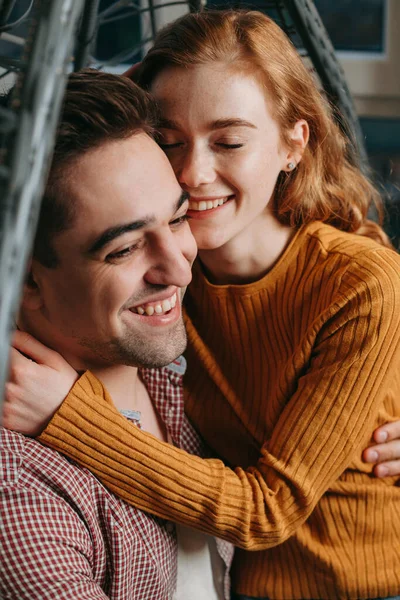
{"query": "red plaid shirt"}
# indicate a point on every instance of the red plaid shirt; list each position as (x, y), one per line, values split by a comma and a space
(64, 536)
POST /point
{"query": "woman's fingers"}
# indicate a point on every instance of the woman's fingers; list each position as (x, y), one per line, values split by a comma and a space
(387, 453)
(390, 431)
(383, 452)
(388, 469)
(35, 350)
(39, 380)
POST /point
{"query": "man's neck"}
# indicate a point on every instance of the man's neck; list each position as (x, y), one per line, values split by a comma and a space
(129, 392)
(121, 381)
(124, 385)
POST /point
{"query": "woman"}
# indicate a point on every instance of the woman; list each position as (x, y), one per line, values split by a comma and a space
(294, 340)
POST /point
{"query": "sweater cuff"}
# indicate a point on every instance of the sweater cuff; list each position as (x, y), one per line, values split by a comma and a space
(85, 393)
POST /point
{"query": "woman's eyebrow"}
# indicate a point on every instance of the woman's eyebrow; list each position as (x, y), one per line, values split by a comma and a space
(231, 122)
(167, 124)
(218, 124)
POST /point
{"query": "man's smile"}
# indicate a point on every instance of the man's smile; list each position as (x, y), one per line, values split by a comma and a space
(158, 307)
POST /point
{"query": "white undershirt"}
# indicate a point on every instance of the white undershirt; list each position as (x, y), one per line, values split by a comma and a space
(200, 567)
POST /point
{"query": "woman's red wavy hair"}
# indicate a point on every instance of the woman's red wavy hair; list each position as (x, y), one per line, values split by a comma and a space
(326, 185)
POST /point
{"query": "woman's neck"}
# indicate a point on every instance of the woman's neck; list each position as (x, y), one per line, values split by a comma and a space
(246, 259)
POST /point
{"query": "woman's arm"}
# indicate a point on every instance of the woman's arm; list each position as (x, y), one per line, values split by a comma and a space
(40, 379)
(355, 358)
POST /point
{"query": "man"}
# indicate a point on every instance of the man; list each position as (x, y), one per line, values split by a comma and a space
(111, 259)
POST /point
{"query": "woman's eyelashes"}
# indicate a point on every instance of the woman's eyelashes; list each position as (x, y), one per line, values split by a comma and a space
(169, 146)
(180, 220)
(230, 146)
(219, 145)
(170, 142)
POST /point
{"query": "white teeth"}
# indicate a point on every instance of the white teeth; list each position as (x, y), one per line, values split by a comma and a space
(206, 204)
(158, 309)
(166, 305)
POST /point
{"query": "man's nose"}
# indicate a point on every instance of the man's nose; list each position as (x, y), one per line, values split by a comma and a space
(171, 260)
(195, 167)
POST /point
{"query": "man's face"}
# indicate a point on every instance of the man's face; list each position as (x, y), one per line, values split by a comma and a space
(115, 297)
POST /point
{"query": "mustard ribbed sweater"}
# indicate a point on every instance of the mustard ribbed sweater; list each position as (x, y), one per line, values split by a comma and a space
(286, 382)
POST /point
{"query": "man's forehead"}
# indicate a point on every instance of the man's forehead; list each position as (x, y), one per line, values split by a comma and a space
(132, 173)
(119, 183)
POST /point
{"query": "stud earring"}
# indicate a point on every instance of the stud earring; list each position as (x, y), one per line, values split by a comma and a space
(291, 166)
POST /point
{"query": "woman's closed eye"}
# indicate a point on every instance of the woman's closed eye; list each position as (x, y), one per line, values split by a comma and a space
(180, 220)
(169, 146)
(167, 140)
(230, 146)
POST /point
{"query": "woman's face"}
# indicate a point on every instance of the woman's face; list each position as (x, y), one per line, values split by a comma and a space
(225, 148)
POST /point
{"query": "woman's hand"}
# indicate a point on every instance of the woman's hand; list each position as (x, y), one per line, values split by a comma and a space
(39, 380)
(387, 451)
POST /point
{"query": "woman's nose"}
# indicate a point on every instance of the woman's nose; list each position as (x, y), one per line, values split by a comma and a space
(196, 167)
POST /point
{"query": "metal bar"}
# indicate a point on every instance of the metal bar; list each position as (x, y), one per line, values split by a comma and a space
(320, 49)
(6, 8)
(37, 102)
(195, 5)
(153, 23)
(138, 11)
(87, 34)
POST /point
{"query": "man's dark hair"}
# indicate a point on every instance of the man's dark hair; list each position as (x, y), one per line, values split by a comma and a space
(98, 107)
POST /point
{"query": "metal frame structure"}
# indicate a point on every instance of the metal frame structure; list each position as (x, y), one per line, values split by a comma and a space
(61, 38)
(27, 129)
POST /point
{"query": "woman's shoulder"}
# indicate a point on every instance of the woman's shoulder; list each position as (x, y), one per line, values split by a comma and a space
(341, 263)
(350, 248)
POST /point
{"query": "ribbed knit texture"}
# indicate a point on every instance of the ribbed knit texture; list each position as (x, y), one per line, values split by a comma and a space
(288, 379)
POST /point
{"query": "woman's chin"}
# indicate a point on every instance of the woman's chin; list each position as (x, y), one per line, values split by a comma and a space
(208, 243)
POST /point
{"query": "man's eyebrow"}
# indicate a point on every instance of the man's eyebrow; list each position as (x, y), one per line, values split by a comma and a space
(218, 124)
(114, 232)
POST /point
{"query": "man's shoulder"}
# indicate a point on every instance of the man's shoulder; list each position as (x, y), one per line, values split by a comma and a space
(14, 450)
(27, 464)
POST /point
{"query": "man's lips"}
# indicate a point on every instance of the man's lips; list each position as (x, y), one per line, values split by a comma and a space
(157, 307)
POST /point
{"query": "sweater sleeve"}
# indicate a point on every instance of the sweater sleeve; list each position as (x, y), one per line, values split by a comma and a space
(355, 357)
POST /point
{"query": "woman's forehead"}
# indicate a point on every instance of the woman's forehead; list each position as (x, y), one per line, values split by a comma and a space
(210, 91)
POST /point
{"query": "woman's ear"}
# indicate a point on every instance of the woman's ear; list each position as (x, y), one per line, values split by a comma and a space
(298, 136)
(31, 294)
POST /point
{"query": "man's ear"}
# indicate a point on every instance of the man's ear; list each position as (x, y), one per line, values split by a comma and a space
(31, 295)
(299, 136)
